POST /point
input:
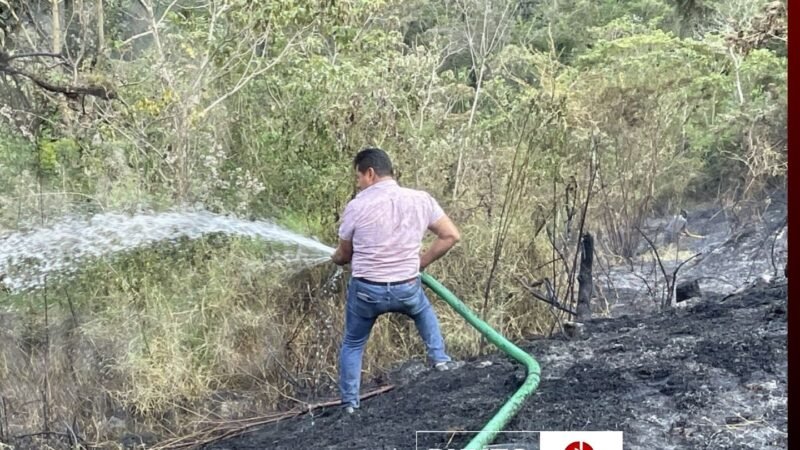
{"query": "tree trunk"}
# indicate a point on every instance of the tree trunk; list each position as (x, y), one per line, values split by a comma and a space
(56, 25)
(101, 30)
(685, 291)
(584, 309)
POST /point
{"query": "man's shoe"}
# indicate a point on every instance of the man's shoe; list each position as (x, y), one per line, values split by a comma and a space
(350, 410)
(447, 365)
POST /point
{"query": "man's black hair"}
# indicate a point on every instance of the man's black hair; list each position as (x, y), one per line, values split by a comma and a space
(377, 159)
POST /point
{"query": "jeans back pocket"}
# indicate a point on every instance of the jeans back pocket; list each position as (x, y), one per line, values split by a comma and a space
(405, 292)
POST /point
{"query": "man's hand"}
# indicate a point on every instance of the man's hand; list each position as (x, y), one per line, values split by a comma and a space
(447, 236)
(343, 253)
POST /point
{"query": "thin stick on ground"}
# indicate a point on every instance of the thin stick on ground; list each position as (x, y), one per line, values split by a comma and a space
(609, 281)
(671, 282)
(550, 301)
(658, 259)
(236, 427)
(650, 291)
(674, 285)
(675, 272)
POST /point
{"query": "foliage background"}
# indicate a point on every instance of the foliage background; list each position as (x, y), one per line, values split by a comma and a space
(509, 112)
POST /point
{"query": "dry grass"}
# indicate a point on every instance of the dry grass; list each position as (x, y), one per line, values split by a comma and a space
(167, 345)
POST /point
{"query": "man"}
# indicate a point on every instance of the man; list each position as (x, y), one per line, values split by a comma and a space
(679, 226)
(381, 235)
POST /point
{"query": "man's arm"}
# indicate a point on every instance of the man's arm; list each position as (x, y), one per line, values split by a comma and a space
(347, 228)
(447, 236)
(690, 234)
(343, 253)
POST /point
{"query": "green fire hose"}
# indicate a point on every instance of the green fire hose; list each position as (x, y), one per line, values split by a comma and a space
(513, 404)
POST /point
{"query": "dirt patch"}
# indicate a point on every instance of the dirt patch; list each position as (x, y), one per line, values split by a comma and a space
(710, 376)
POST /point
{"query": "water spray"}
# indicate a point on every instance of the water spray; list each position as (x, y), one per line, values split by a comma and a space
(28, 257)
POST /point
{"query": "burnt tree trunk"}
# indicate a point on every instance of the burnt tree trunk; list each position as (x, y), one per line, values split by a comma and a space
(584, 309)
(685, 291)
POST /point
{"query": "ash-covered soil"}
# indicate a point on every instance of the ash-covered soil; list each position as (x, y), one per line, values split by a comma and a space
(708, 374)
(729, 256)
(712, 375)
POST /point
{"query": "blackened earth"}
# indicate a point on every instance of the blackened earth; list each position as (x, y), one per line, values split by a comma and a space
(711, 375)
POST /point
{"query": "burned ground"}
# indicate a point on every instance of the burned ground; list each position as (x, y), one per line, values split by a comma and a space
(713, 375)
(710, 373)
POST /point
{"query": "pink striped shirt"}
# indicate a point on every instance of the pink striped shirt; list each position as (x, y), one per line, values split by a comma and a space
(386, 223)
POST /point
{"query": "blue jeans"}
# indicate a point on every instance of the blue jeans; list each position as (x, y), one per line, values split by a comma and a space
(365, 302)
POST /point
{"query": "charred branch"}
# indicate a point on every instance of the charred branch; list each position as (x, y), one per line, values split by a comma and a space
(71, 92)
